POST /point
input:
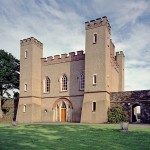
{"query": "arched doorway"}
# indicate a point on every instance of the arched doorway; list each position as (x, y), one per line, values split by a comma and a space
(62, 110)
(136, 113)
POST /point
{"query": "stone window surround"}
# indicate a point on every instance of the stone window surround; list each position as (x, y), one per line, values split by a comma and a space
(93, 106)
(82, 81)
(46, 85)
(64, 83)
(25, 87)
(95, 38)
(24, 108)
(26, 54)
(94, 79)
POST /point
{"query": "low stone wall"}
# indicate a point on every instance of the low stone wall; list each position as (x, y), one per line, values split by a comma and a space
(7, 108)
(130, 98)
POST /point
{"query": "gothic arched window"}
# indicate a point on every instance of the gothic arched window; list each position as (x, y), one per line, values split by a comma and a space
(64, 83)
(47, 85)
(82, 79)
(63, 105)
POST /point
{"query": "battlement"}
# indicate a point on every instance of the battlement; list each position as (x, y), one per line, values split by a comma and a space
(63, 58)
(119, 54)
(31, 40)
(97, 23)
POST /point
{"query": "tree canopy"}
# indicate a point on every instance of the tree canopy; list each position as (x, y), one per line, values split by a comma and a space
(9, 71)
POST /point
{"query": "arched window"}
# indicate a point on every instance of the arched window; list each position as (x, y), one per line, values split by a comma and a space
(47, 85)
(63, 105)
(82, 82)
(64, 83)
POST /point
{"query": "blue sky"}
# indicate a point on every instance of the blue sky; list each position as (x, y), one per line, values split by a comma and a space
(59, 24)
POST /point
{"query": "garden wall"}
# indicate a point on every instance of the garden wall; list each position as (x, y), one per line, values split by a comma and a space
(129, 99)
(7, 108)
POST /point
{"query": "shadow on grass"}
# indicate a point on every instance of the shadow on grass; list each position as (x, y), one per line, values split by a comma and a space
(67, 137)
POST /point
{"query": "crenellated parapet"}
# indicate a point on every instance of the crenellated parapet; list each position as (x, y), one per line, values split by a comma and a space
(97, 23)
(31, 40)
(114, 60)
(63, 58)
(119, 54)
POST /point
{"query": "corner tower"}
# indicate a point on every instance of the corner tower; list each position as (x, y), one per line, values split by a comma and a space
(29, 110)
(97, 55)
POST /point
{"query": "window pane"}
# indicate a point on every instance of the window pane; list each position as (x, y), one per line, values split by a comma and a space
(47, 84)
(64, 83)
(82, 82)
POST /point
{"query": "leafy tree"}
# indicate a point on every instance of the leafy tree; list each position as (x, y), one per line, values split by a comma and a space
(9, 72)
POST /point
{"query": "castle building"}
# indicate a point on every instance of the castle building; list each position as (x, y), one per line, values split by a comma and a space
(73, 87)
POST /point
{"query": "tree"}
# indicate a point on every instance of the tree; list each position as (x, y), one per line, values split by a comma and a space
(9, 72)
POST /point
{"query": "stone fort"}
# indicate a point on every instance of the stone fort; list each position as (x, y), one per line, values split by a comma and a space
(73, 87)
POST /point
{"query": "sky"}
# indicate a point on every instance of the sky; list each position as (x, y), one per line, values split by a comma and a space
(59, 25)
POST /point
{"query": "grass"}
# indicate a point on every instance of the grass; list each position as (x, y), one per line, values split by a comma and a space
(73, 137)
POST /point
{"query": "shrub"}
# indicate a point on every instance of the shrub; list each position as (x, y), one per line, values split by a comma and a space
(116, 114)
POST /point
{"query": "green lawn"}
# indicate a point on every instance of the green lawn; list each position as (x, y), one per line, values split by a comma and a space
(76, 137)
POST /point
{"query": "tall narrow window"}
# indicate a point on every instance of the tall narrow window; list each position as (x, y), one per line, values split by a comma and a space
(25, 87)
(82, 82)
(64, 83)
(47, 85)
(24, 108)
(94, 38)
(93, 106)
(26, 54)
(94, 79)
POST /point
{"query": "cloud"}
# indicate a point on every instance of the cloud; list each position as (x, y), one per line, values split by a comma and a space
(60, 26)
(136, 44)
(137, 78)
(120, 12)
(61, 30)
(137, 53)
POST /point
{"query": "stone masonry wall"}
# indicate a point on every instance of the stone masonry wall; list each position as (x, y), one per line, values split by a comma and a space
(129, 99)
(8, 108)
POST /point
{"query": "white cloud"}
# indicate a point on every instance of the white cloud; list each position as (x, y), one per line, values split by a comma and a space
(136, 44)
(137, 53)
(121, 12)
(140, 75)
(58, 30)
(60, 26)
